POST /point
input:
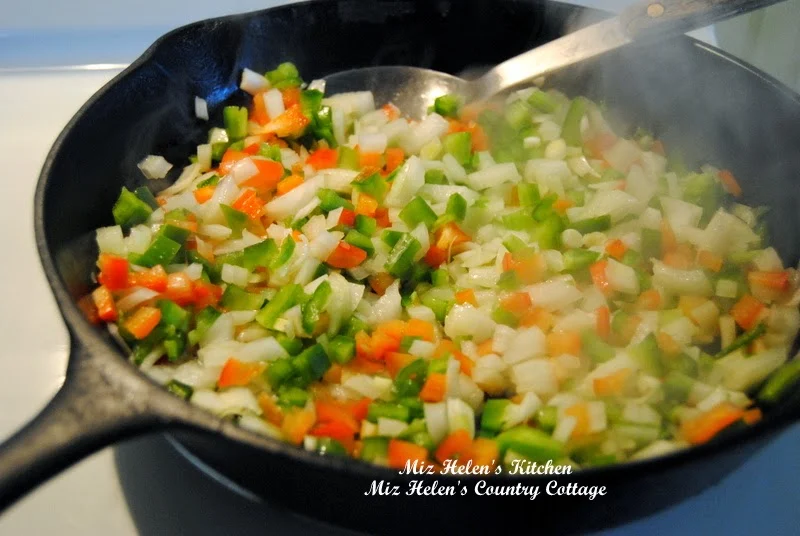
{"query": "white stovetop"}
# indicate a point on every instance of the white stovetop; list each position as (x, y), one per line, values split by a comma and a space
(143, 486)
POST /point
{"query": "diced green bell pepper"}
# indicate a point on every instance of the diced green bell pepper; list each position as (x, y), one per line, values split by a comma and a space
(129, 210)
(493, 416)
(579, 259)
(388, 410)
(289, 395)
(161, 251)
(531, 443)
(236, 220)
(459, 144)
(435, 176)
(401, 258)
(236, 298)
(418, 211)
(330, 200)
(235, 119)
(313, 308)
(144, 193)
(286, 298)
(592, 225)
(284, 76)
(342, 349)
(596, 348)
(366, 225)
(375, 449)
(648, 355)
(447, 105)
(571, 130)
(180, 389)
(410, 378)
(203, 320)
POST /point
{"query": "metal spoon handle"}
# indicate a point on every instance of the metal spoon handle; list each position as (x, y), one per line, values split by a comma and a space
(649, 19)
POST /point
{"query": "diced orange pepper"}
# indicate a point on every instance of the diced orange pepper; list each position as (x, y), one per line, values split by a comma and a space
(347, 217)
(538, 316)
(581, 413)
(391, 111)
(434, 388)
(453, 445)
(400, 452)
(517, 303)
(104, 302)
(249, 203)
(336, 412)
(113, 271)
(616, 248)
(752, 416)
(483, 452)
(268, 176)
(323, 158)
(603, 322)
(486, 347)
(89, 309)
(380, 282)
(778, 280)
(561, 205)
(259, 113)
(416, 327)
(396, 361)
(466, 296)
(667, 344)
(290, 123)
(730, 183)
(680, 257)
(229, 159)
(612, 384)
(296, 425)
(658, 147)
(366, 205)
(746, 311)
(289, 183)
(450, 236)
(370, 160)
(597, 145)
(382, 217)
(709, 261)
(180, 288)
(333, 374)
(154, 278)
(143, 321)
(346, 256)
(394, 158)
(205, 294)
(705, 426)
(649, 300)
(383, 344)
(271, 410)
(236, 373)
(599, 278)
(395, 329)
(291, 96)
(201, 195)
(668, 240)
(563, 342)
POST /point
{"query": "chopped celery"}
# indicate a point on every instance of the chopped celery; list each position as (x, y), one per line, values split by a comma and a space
(528, 194)
(348, 158)
(651, 244)
(579, 259)
(648, 355)
(180, 389)
(518, 114)
(596, 348)
(388, 410)
(781, 383)
(542, 101)
(268, 150)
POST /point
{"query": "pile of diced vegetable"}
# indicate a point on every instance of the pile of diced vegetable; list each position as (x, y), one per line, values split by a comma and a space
(514, 281)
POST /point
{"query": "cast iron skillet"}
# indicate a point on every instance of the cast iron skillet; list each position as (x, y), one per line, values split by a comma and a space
(708, 105)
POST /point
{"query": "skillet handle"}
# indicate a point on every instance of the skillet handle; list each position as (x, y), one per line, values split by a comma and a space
(97, 405)
(656, 17)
